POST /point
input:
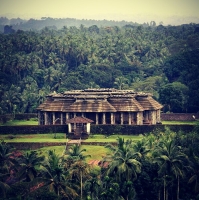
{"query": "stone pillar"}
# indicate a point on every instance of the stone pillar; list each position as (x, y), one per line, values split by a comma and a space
(74, 114)
(139, 118)
(112, 118)
(61, 118)
(82, 114)
(69, 128)
(39, 118)
(104, 118)
(88, 125)
(97, 118)
(158, 116)
(45, 118)
(130, 118)
(67, 116)
(121, 118)
(53, 118)
(75, 125)
(152, 115)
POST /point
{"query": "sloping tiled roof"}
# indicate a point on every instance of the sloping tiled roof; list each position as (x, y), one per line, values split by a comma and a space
(90, 106)
(79, 120)
(54, 106)
(128, 105)
(44, 104)
(148, 103)
(99, 100)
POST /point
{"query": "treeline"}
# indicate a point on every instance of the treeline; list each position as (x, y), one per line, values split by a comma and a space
(160, 59)
(160, 166)
(58, 23)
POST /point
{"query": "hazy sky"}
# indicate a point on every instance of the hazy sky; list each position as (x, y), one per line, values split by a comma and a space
(130, 10)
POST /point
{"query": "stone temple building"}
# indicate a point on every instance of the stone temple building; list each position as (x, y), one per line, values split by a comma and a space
(102, 106)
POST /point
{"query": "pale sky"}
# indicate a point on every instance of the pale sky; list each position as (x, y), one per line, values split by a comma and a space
(130, 10)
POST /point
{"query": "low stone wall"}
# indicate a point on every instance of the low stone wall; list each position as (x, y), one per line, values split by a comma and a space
(95, 129)
(98, 143)
(138, 129)
(33, 129)
(179, 116)
(37, 145)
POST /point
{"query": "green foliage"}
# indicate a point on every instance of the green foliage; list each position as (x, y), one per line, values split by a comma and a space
(175, 97)
(183, 67)
(150, 168)
(142, 58)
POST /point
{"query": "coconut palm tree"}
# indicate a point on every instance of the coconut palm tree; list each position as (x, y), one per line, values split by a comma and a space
(92, 185)
(76, 152)
(141, 147)
(55, 177)
(109, 189)
(80, 171)
(121, 82)
(172, 164)
(123, 165)
(194, 179)
(29, 165)
(76, 165)
(4, 187)
(6, 164)
(7, 161)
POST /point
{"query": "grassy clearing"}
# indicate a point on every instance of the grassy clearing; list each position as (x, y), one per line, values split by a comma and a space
(112, 138)
(60, 137)
(58, 149)
(35, 122)
(21, 122)
(179, 122)
(95, 152)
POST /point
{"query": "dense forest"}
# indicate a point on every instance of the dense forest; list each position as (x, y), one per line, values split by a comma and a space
(161, 166)
(58, 23)
(162, 60)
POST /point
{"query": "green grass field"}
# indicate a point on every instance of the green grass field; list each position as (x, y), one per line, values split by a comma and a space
(21, 122)
(60, 137)
(35, 122)
(179, 122)
(95, 152)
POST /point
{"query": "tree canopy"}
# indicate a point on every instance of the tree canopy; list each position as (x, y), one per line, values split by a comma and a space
(144, 58)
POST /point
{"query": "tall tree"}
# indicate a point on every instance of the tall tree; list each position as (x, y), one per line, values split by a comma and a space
(172, 164)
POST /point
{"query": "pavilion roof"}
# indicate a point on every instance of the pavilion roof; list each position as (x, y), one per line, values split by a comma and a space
(148, 103)
(90, 106)
(99, 100)
(126, 105)
(54, 106)
(78, 119)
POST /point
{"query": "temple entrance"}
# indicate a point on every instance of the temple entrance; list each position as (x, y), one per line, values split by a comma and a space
(78, 127)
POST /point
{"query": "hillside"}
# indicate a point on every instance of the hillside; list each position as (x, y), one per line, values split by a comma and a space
(160, 59)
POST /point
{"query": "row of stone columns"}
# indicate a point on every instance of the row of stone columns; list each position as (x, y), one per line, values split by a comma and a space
(47, 121)
(154, 117)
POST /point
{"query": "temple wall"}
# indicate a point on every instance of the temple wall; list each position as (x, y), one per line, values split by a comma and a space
(139, 118)
(152, 117)
(179, 116)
